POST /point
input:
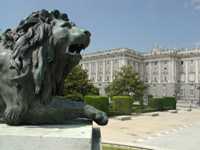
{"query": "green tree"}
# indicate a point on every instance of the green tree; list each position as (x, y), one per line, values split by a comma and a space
(77, 85)
(127, 83)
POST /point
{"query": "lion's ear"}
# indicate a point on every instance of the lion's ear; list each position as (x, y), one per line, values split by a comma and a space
(55, 14)
(64, 17)
(43, 15)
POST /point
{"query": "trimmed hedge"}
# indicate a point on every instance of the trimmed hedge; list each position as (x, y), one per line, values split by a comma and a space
(99, 102)
(150, 96)
(157, 103)
(114, 113)
(146, 109)
(169, 103)
(123, 104)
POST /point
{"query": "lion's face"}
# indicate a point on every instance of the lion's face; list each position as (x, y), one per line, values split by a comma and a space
(45, 47)
(72, 38)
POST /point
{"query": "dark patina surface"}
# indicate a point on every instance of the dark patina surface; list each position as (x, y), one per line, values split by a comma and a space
(35, 58)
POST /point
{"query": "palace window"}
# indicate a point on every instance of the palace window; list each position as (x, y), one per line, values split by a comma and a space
(182, 77)
(100, 78)
(155, 79)
(108, 78)
(165, 78)
(191, 62)
(191, 77)
(155, 63)
(146, 79)
(191, 92)
(154, 91)
(181, 92)
(164, 92)
(182, 62)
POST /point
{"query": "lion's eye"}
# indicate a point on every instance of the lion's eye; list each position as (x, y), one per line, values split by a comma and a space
(66, 24)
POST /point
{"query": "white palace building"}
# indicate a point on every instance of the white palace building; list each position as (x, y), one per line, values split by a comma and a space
(170, 72)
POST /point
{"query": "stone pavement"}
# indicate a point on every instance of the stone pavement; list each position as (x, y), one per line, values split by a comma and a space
(182, 138)
(167, 131)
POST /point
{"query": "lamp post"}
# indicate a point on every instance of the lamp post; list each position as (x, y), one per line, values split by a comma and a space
(199, 93)
(176, 91)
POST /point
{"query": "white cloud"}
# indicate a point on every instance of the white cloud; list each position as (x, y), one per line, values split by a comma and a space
(195, 1)
(186, 4)
(197, 7)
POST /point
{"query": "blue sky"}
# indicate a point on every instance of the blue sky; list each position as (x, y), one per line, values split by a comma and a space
(134, 24)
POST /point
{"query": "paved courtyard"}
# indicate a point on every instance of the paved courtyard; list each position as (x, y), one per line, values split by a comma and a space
(182, 138)
(172, 131)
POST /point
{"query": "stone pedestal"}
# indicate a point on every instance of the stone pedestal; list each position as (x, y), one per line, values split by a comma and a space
(75, 135)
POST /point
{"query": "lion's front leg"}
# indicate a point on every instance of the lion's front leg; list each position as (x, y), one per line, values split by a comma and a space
(96, 115)
(12, 109)
(61, 110)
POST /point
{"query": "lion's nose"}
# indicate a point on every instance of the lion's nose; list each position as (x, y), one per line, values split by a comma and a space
(87, 33)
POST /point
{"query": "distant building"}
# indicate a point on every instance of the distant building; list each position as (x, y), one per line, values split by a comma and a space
(170, 72)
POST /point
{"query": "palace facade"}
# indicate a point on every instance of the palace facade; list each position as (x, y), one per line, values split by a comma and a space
(170, 72)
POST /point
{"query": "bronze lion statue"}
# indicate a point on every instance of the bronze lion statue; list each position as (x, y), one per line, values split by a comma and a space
(35, 58)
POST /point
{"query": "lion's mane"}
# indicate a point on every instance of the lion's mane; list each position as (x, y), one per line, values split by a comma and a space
(33, 54)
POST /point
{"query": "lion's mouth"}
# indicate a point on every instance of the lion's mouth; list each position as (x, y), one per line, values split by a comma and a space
(76, 48)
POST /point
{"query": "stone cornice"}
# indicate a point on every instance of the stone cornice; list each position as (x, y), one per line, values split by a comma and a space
(169, 53)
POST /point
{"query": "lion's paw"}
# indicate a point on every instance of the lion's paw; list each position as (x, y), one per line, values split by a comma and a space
(100, 118)
(13, 115)
(2, 120)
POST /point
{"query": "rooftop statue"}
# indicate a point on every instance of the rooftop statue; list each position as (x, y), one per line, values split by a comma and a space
(35, 58)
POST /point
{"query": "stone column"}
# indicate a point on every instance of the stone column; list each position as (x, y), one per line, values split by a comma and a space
(96, 72)
(123, 61)
(173, 74)
(159, 72)
(186, 71)
(90, 70)
(175, 70)
(141, 70)
(170, 71)
(104, 67)
(136, 66)
(83, 66)
(197, 71)
(150, 72)
(111, 70)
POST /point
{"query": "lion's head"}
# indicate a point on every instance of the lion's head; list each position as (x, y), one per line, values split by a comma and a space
(45, 47)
